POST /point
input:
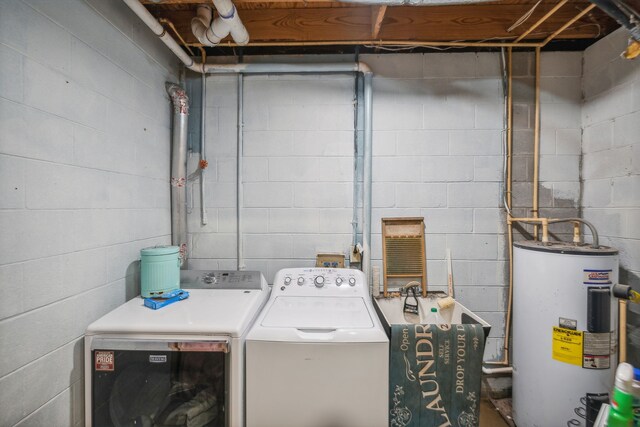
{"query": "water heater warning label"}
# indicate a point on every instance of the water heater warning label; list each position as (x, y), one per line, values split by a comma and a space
(567, 346)
(597, 348)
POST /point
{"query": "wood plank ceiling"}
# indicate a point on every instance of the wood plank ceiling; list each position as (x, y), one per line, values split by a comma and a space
(328, 24)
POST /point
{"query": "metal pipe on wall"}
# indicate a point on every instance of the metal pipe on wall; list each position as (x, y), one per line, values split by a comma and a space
(507, 203)
(287, 68)
(275, 68)
(203, 150)
(179, 169)
(367, 177)
(239, 186)
(358, 133)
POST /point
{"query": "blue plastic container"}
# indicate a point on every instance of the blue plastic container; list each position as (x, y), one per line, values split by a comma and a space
(159, 270)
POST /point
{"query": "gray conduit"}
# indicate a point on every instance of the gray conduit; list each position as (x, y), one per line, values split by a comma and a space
(367, 178)
(327, 68)
(240, 188)
(203, 151)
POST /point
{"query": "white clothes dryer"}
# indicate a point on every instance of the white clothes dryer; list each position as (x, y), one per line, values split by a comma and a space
(317, 356)
(180, 365)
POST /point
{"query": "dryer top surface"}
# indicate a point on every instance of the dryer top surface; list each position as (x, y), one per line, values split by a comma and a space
(205, 312)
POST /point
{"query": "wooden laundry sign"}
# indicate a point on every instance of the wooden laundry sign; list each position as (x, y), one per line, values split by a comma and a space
(435, 375)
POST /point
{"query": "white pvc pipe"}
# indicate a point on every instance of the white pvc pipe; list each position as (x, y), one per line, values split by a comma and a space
(227, 22)
(159, 31)
(200, 24)
(505, 370)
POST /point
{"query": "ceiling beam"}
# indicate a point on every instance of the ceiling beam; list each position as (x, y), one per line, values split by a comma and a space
(377, 16)
(402, 24)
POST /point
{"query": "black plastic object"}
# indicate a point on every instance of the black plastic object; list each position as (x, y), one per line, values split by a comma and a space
(598, 309)
(621, 291)
(408, 307)
(594, 402)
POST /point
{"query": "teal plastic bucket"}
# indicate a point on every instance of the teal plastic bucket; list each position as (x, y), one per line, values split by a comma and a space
(159, 270)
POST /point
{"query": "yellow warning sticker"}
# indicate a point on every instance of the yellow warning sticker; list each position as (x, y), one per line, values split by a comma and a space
(567, 346)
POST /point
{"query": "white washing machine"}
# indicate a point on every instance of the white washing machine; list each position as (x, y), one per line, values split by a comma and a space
(180, 365)
(317, 356)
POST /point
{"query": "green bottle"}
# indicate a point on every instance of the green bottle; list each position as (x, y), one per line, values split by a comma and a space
(621, 412)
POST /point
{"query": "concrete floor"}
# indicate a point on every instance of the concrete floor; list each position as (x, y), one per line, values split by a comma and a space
(489, 415)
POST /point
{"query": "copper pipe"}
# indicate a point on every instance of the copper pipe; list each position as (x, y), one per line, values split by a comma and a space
(576, 232)
(175, 31)
(380, 43)
(546, 221)
(565, 26)
(507, 326)
(541, 20)
(203, 54)
(622, 329)
(509, 125)
(536, 146)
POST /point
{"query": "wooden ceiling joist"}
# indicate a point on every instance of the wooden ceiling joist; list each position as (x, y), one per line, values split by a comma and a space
(377, 16)
(324, 22)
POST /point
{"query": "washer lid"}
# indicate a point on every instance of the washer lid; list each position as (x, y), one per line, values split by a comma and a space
(318, 313)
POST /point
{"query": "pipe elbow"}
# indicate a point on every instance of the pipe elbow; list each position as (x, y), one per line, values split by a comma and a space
(227, 23)
(200, 23)
(364, 68)
(198, 29)
(240, 34)
(218, 30)
(179, 98)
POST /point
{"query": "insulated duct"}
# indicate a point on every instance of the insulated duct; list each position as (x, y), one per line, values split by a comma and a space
(179, 169)
(227, 22)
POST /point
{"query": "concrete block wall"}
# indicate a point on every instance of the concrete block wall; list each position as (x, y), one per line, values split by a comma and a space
(437, 153)
(611, 159)
(437, 149)
(297, 174)
(560, 139)
(84, 168)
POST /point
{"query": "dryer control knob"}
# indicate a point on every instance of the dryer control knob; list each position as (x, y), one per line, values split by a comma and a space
(319, 281)
(352, 281)
(287, 280)
(339, 281)
(300, 281)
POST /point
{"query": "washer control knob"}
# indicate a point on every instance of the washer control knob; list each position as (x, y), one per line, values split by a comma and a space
(319, 281)
(352, 281)
(339, 281)
(300, 281)
(287, 281)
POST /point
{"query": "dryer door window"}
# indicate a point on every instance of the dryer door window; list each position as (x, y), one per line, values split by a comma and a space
(159, 384)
